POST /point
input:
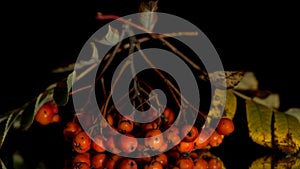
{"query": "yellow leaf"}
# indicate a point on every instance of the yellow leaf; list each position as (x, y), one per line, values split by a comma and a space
(217, 103)
(262, 163)
(281, 130)
(294, 112)
(273, 162)
(294, 132)
(286, 133)
(230, 105)
(290, 162)
(259, 119)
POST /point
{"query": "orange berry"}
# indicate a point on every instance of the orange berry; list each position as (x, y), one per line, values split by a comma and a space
(82, 142)
(44, 115)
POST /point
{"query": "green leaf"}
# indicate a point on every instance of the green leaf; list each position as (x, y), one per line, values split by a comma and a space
(259, 119)
(230, 105)
(62, 89)
(70, 80)
(7, 124)
(61, 93)
(32, 107)
(42, 98)
(28, 115)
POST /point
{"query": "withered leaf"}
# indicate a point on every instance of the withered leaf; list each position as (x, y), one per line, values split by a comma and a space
(272, 100)
(226, 79)
(248, 82)
(111, 38)
(147, 15)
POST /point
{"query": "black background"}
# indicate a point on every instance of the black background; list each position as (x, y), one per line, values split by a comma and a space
(40, 36)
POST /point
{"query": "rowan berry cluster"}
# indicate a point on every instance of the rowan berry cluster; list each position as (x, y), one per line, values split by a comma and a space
(105, 149)
(48, 113)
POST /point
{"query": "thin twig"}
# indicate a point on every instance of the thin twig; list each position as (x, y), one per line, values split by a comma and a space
(153, 35)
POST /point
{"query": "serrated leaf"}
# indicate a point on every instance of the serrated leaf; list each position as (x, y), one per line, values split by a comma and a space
(61, 93)
(286, 133)
(147, 14)
(230, 105)
(294, 112)
(294, 132)
(111, 38)
(248, 82)
(259, 118)
(272, 100)
(281, 129)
